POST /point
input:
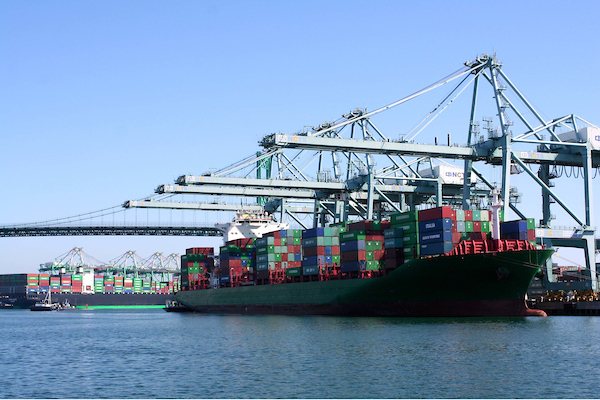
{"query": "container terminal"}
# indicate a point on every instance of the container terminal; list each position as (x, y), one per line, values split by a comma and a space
(349, 171)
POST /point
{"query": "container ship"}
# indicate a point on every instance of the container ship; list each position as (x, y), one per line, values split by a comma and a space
(435, 262)
(86, 290)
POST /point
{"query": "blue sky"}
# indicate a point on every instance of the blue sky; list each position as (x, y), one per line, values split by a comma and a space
(101, 102)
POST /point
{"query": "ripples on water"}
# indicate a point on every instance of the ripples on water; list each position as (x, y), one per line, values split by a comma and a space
(153, 354)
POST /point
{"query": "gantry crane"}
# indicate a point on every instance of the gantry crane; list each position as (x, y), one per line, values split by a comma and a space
(349, 168)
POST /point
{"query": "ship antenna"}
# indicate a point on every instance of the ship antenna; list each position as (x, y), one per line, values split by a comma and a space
(496, 206)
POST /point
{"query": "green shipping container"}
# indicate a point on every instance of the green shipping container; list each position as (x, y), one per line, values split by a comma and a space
(530, 223)
(373, 265)
(394, 243)
(485, 226)
(468, 226)
(352, 236)
(409, 227)
(403, 217)
(411, 239)
(374, 245)
(293, 271)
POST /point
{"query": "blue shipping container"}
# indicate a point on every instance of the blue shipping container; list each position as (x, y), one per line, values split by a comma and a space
(435, 237)
(513, 226)
(430, 249)
(353, 245)
(353, 266)
(314, 232)
(441, 224)
(314, 260)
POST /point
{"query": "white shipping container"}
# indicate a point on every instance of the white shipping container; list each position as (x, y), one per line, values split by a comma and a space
(87, 282)
(448, 173)
(586, 134)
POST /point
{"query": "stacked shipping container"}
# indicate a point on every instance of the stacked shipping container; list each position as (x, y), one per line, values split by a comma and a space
(278, 252)
(362, 246)
(237, 260)
(320, 248)
(196, 263)
(406, 226)
(519, 230)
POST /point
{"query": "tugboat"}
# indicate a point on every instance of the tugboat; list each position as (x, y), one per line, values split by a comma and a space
(44, 305)
(175, 306)
(5, 303)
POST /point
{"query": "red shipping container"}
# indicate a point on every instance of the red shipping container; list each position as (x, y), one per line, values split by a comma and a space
(478, 236)
(394, 253)
(476, 226)
(385, 225)
(375, 237)
(277, 235)
(392, 263)
(314, 251)
(284, 257)
(294, 264)
(360, 226)
(277, 265)
(378, 254)
(278, 241)
(454, 226)
(456, 237)
(358, 255)
(435, 213)
(207, 251)
(468, 215)
(335, 250)
(235, 263)
(530, 234)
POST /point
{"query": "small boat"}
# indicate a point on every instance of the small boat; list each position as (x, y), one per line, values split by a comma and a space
(66, 306)
(44, 305)
(175, 306)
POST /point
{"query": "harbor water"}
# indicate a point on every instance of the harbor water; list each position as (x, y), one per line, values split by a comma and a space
(153, 354)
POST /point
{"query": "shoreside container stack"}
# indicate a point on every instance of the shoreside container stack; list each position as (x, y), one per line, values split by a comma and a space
(320, 250)
(55, 284)
(32, 283)
(44, 281)
(362, 246)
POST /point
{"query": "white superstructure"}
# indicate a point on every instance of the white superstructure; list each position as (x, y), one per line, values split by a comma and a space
(249, 225)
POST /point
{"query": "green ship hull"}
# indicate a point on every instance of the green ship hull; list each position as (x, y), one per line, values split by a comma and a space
(484, 284)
